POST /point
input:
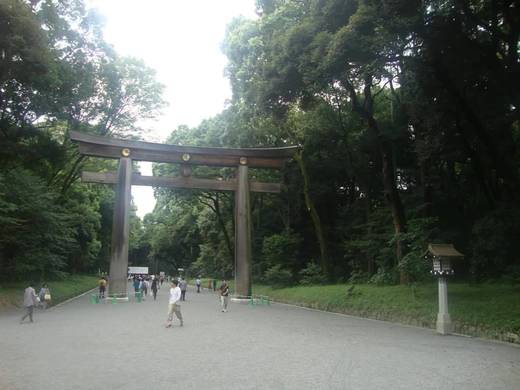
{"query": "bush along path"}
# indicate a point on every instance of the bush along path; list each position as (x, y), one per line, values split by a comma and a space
(11, 294)
(484, 310)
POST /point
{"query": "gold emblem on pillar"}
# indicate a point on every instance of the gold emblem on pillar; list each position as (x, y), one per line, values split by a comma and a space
(186, 157)
(125, 152)
(243, 160)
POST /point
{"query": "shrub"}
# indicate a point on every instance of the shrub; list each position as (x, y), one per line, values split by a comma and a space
(385, 276)
(358, 277)
(495, 244)
(281, 248)
(279, 277)
(312, 275)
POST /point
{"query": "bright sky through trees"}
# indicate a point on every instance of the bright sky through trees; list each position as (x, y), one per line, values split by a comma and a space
(181, 40)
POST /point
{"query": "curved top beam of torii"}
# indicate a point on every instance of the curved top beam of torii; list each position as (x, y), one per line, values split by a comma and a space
(97, 146)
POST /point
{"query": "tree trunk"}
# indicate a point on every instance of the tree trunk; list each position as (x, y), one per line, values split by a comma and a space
(314, 214)
(224, 229)
(384, 149)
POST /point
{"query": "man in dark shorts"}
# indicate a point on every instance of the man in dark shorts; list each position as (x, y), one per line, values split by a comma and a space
(102, 287)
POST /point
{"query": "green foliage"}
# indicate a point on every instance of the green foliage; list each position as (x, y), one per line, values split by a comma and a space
(281, 249)
(11, 293)
(486, 310)
(278, 277)
(421, 231)
(495, 246)
(406, 112)
(384, 276)
(57, 74)
(312, 274)
(37, 233)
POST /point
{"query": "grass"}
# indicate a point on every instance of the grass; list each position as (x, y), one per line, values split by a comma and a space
(485, 310)
(11, 293)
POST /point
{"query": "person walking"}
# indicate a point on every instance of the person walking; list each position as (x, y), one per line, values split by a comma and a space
(155, 286)
(136, 285)
(102, 287)
(214, 284)
(224, 295)
(173, 304)
(144, 286)
(197, 282)
(44, 296)
(183, 285)
(29, 300)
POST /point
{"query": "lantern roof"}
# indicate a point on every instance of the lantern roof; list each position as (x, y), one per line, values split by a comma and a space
(443, 250)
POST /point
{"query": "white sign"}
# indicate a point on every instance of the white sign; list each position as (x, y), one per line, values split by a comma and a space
(138, 270)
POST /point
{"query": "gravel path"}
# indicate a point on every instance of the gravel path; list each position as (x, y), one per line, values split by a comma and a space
(125, 346)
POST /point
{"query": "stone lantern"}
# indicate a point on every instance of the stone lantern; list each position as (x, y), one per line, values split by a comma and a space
(442, 256)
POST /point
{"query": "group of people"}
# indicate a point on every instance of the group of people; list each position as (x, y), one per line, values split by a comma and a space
(142, 284)
(30, 300)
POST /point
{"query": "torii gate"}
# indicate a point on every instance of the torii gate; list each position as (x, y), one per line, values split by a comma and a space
(126, 151)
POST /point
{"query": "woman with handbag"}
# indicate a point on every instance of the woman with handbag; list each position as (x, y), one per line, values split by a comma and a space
(45, 296)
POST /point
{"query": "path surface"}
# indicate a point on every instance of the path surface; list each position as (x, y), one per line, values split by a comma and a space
(125, 346)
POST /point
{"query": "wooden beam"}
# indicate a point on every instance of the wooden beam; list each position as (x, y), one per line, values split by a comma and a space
(179, 182)
(91, 145)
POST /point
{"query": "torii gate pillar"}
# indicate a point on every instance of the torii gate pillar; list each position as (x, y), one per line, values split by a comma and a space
(120, 231)
(242, 233)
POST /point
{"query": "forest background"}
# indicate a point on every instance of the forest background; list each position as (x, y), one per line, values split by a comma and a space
(407, 112)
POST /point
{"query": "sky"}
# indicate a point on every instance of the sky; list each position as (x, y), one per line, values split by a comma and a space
(181, 40)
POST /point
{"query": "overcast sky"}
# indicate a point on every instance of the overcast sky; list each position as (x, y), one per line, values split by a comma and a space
(181, 40)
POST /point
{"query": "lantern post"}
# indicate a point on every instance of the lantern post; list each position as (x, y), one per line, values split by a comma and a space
(442, 256)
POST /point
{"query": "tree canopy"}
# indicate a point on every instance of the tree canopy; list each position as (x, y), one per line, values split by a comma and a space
(407, 113)
(58, 74)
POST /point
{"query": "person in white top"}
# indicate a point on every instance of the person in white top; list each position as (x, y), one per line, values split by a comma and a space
(173, 304)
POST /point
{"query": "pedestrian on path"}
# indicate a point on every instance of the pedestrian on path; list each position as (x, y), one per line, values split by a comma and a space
(155, 285)
(183, 285)
(29, 300)
(197, 282)
(44, 296)
(144, 287)
(173, 304)
(214, 284)
(102, 287)
(136, 285)
(224, 295)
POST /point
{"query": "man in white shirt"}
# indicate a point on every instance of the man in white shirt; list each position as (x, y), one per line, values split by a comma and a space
(173, 304)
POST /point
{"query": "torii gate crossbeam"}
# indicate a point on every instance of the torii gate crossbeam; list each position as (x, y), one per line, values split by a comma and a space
(127, 151)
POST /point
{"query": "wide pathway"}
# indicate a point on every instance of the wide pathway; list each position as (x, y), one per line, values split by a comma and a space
(79, 345)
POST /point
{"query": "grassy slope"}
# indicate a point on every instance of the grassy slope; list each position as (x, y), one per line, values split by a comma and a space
(11, 294)
(489, 310)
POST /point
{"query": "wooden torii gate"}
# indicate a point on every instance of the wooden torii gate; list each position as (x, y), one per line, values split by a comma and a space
(127, 151)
